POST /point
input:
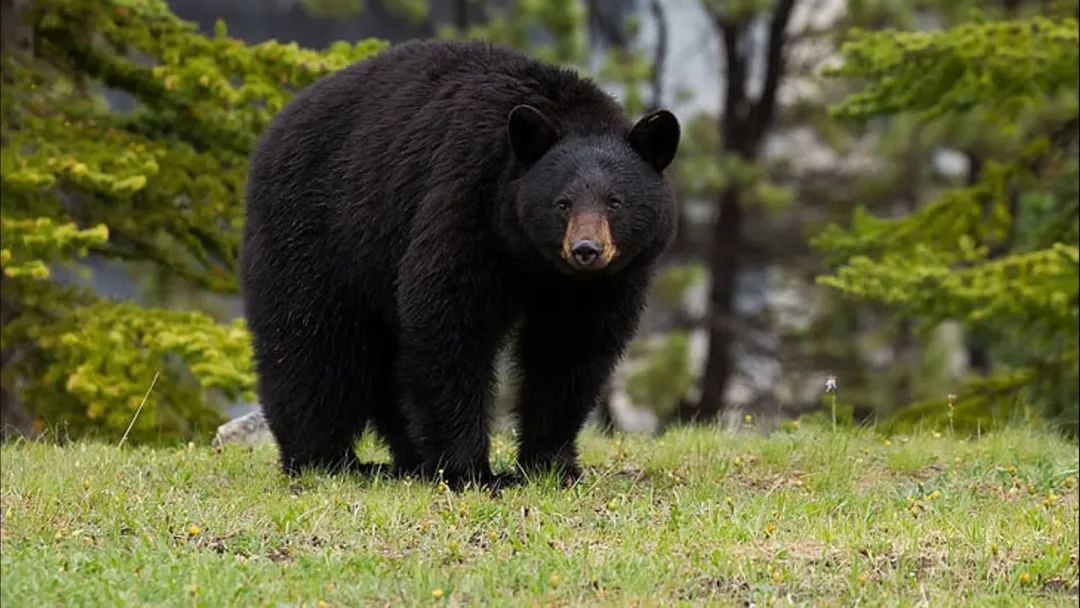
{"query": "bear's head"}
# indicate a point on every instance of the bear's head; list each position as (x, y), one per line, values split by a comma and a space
(593, 203)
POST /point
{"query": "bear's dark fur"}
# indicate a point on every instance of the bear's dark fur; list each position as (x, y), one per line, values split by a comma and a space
(407, 215)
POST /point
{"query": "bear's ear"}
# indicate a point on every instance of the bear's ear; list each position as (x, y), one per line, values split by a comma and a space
(531, 134)
(655, 138)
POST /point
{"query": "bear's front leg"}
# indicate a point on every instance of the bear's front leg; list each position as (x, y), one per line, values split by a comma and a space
(451, 320)
(566, 351)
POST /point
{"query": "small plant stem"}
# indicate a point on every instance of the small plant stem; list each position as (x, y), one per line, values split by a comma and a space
(139, 409)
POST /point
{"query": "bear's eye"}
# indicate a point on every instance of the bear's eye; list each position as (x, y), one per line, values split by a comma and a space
(614, 202)
(562, 204)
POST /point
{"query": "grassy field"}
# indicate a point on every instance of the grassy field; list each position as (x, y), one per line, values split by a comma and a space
(693, 517)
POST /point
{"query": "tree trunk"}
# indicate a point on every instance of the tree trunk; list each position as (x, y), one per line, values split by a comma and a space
(15, 35)
(723, 264)
(743, 126)
(903, 348)
(461, 15)
(15, 420)
(14, 32)
(978, 351)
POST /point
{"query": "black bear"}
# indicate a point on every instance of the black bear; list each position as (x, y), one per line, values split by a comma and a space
(408, 215)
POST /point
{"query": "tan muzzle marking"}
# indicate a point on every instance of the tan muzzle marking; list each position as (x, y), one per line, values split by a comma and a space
(590, 226)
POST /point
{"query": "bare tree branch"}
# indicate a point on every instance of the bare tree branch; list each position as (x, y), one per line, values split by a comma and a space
(734, 81)
(765, 108)
(659, 55)
(612, 32)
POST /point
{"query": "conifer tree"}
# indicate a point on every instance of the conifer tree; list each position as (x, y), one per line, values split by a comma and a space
(999, 254)
(159, 185)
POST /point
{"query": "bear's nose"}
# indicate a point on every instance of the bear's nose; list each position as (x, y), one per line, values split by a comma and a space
(585, 252)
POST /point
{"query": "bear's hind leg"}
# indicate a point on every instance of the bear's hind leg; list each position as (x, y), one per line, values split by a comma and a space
(312, 396)
(321, 438)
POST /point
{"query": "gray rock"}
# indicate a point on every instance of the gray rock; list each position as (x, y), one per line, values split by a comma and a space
(248, 429)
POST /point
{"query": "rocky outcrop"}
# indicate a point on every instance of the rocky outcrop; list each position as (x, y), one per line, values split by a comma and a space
(248, 429)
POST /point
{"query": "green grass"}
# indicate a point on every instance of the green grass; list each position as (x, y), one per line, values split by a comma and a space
(697, 516)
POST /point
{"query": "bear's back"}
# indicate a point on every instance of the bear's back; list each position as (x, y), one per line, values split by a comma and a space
(418, 113)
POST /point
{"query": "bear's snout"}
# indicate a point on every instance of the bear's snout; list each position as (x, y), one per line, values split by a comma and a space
(586, 252)
(587, 244)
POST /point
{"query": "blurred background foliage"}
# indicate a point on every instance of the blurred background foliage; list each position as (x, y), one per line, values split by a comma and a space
(880, 190)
